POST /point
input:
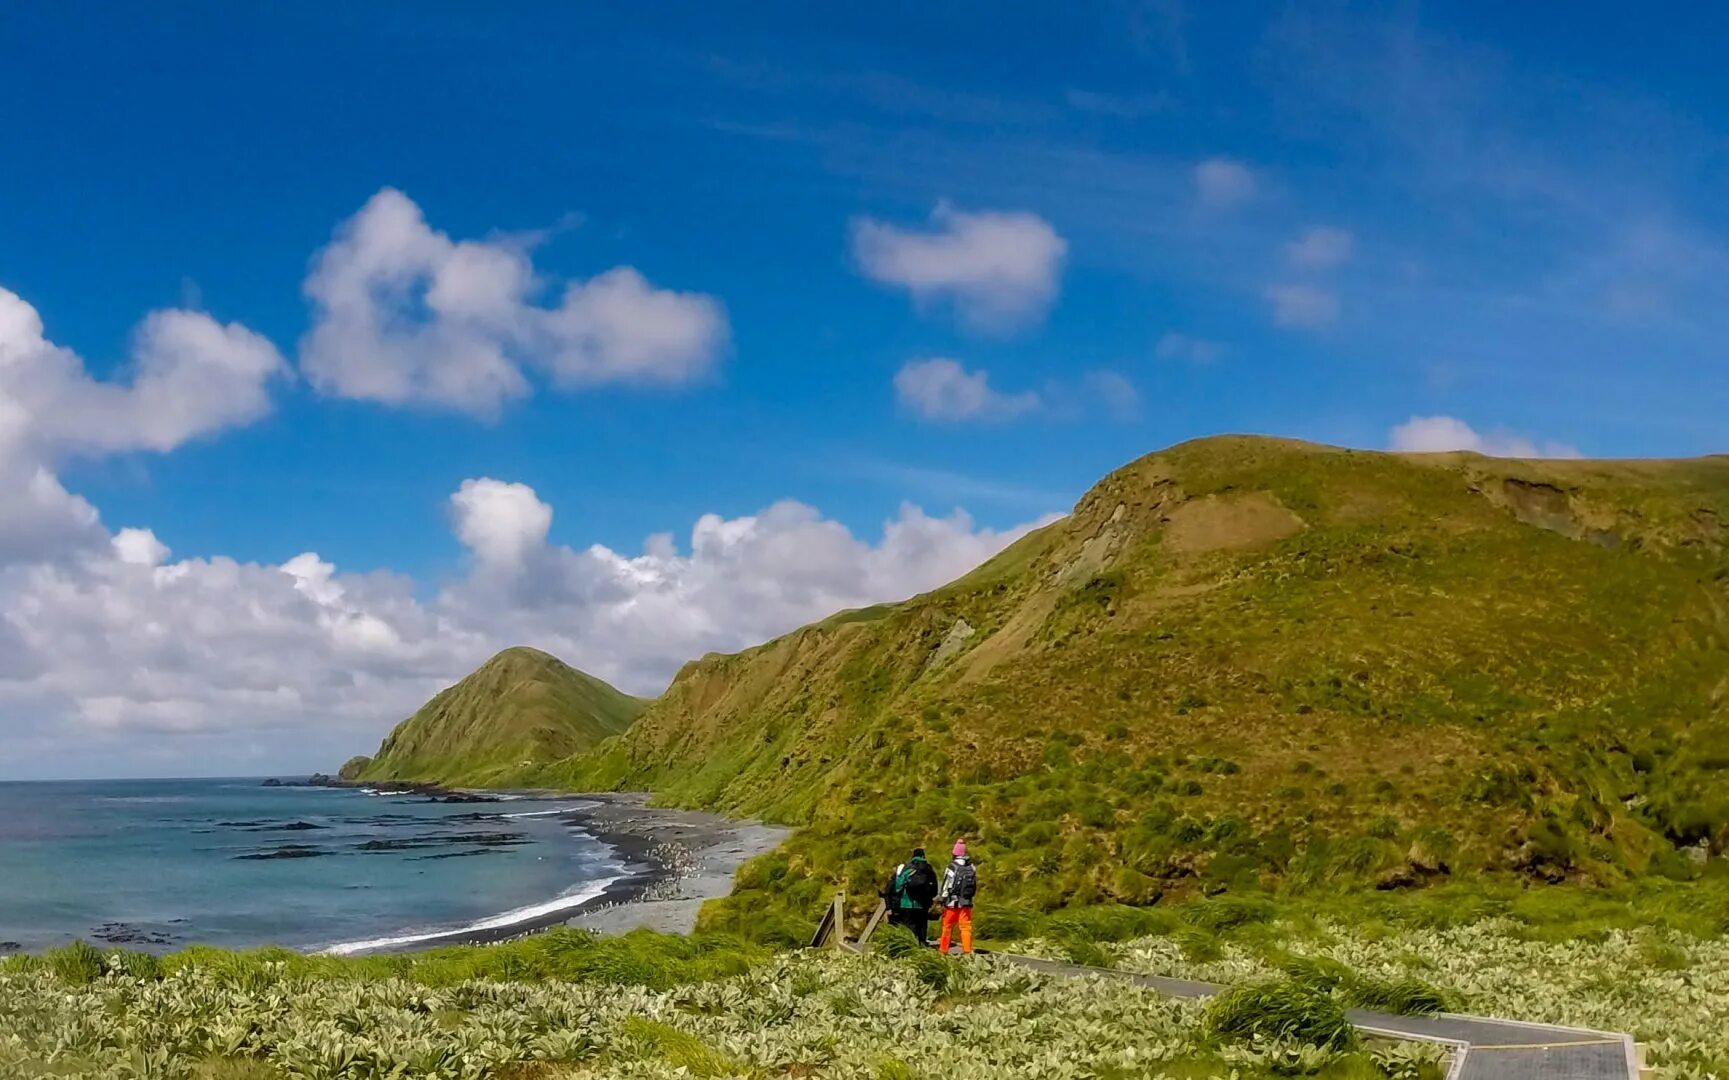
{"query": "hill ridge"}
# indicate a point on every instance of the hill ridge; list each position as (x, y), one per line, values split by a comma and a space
(1241, 661)
(521, 708)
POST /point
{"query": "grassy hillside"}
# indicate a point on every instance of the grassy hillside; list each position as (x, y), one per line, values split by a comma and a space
(520, 707)
(1248, 661)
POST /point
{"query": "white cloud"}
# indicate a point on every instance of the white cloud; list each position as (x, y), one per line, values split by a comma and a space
(139, 547)
(941, 389)
(618, 328)
(39, 518)
(1320, 248)
(1303, 307)
(500, 522)
(190, 376)
(1193, 350)
(1429, 434)
(999, 270)
(124, 660)
(1221, 182)
(405, 315)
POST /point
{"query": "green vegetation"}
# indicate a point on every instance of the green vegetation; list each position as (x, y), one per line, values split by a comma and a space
(1625, 971)
(519, 708)
(206, 1015)
(1246, 664)
(1281, 1010)
(1339, 729)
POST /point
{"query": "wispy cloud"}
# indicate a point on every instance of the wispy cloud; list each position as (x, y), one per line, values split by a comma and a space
(941, 389)
(1221, 182)
(999, 269)
(1302, 307)
(1119, 106)
(1321, 247)
(951, 487)
(1175, 345)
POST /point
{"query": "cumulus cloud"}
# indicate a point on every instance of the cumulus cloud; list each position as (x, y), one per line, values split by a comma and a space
(999, 270)
(139, 547)
(942, 389)
(1302, 307)
(39, 518)
(404, 315)
(619, 328)
(1320, 248)
(500, 522)
(124, 647)
(1427, 434)
(189, 376)
(1221, 182)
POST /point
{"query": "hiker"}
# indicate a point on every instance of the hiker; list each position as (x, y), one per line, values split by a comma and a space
(908, 897)
(960, 882)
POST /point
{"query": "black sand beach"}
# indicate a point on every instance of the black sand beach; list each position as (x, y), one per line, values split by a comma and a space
(674, 861)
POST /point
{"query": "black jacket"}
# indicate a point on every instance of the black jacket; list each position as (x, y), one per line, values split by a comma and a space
(919, 890)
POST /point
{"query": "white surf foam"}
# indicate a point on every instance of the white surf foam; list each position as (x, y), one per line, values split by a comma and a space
(539, 813)
(503, 921)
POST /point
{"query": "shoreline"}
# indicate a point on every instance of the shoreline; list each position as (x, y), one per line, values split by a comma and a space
(673, 862)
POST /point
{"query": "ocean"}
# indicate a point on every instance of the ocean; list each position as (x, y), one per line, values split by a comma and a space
(157, 864)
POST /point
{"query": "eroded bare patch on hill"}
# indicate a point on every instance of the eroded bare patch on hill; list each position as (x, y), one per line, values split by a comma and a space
(1235, 522)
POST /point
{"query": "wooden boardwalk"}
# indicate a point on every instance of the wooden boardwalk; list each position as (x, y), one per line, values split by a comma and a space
(1483, 1048)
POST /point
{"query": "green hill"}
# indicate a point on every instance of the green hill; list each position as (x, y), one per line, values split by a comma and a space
(1248, 661)
(519, 708)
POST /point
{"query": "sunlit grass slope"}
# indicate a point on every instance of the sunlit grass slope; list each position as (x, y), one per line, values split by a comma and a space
(519, 708)
(1244, 662)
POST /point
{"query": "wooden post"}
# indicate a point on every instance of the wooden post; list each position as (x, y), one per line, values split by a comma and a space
(838, 913)
(831, 931)
(871, 927)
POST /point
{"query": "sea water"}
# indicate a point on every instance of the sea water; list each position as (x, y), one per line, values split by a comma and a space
(161, 863)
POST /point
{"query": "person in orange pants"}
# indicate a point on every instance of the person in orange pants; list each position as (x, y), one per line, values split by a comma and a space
(960, 883)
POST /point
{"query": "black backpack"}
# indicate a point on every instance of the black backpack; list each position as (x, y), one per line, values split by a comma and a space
(915, 885)
(966, 883)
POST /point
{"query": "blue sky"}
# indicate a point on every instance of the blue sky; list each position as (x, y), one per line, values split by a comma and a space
(957, 256)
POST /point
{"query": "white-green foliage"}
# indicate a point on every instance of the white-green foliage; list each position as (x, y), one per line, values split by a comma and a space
(1666, 989)
(847, 1017)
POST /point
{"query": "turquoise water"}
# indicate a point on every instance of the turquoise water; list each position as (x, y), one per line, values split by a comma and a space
(162, 863)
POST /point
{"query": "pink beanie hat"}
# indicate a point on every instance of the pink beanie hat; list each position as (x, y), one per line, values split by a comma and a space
(960, 848)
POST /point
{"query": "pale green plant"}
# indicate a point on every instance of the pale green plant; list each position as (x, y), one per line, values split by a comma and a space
(1663, 987)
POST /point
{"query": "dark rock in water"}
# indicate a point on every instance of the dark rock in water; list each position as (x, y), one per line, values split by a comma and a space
(10, 946)
(272, 782)
(292, 826)
(408, 843)
(242, 824)
(287, 851)
(115, 933)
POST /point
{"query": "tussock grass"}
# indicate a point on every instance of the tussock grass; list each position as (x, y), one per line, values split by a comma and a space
(1281, 1010)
